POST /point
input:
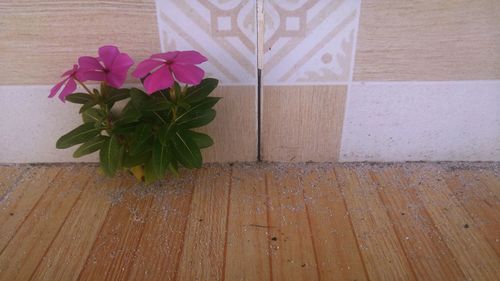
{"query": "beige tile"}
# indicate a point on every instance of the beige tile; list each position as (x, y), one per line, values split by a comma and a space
(234, 130)
(302, 123)
(40, 40)
(428, 40)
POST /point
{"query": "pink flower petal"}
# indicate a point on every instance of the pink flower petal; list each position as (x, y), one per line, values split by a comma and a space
(71, 71)
(190, 57)
(89, 63)
(108, 54)
(188, 73)
(122, 63)
(159, 80)
(92, 75)
(116, 80)
(56, 88)
(68, 89)
(166, 56)
(145, 67)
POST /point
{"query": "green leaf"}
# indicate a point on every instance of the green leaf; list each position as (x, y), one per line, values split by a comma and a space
(93, 115)
(88, 105)
(155, 104)
(116, 95)
(149, 172)
(78, 135)
(90, 146)
(80, 98)
(199, 92)
(197, 119)
(207, 103)
(137, 97)
(111, 155)
(127, 128)
(161, 156)
(172, 167)
(130, 161)
(201, 140)
(142, 135)
(166, 132)
(187, 152)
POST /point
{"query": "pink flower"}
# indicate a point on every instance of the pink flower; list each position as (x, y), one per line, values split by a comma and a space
(161, 66)
(68, 82)
(111, 66)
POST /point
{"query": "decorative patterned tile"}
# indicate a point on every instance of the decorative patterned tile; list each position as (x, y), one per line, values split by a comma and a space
(224, 31)
(308, 42)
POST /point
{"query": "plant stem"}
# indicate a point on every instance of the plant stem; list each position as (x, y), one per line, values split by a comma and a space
(85, 87)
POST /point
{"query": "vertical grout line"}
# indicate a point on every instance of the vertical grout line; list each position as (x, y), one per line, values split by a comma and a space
(259, 18)
(349, 81)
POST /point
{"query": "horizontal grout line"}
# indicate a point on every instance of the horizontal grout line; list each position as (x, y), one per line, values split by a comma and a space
(346, 83)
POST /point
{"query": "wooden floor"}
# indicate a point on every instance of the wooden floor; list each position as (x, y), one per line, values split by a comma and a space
(253, 222)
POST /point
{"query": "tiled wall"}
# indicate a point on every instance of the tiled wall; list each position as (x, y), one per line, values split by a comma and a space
(343, 80)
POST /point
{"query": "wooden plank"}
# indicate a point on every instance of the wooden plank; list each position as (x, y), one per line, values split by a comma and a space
(380, 247)
(9, 176)
(480, 202)
(302, 123)
(158, 253)
(474, 255)
(22, 198)
(491, 179)
(115, 247)
(334, 240)
(66, 256)
(51, 34)
(293, 255)
(449, 40)
(234, 130)
(23, 253)
(247, 246)
(205, 236)
(429, 256)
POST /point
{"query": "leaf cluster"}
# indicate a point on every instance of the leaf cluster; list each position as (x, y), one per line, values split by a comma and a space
(155, 132)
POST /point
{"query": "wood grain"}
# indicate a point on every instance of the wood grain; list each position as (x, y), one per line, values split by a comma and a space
(335, 244)
(23, 195)
(425, 40)
(302, 123)
(247, 246)
(254, 222)
(115, 248)
(293, 255)
(9, 176)
(63, 260)
(466, 243)
(158, 252)
(234, 129)
(202, 255)
(373, 228)
(34, 237)
(421, 241)
(39, 40)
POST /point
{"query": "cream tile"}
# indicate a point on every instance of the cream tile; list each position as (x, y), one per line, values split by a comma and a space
(302, 123)
(428, 40)
(440, 121)
(41, 39)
